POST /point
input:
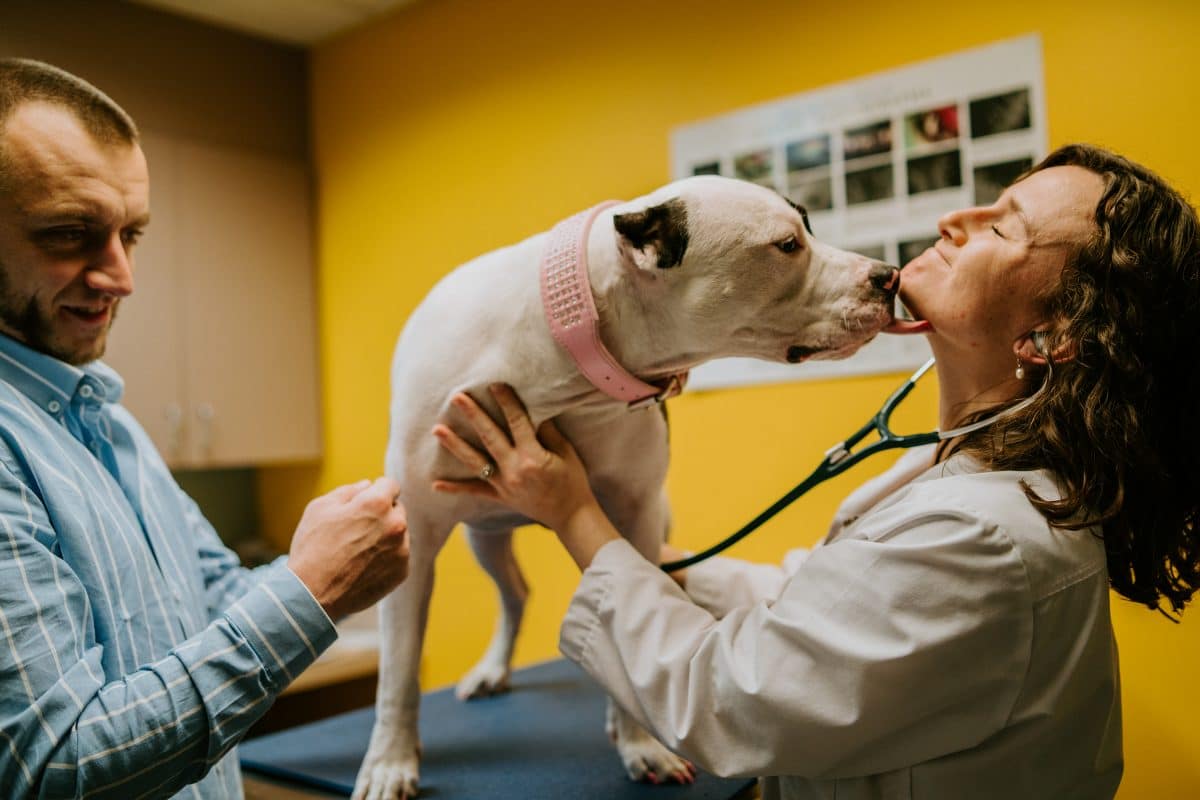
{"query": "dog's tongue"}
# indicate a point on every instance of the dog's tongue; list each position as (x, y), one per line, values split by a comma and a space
(906, 326)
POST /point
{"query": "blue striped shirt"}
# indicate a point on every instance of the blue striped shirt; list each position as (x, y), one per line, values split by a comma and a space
(135, 651)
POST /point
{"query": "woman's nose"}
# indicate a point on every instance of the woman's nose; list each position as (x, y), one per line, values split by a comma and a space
(953, 226)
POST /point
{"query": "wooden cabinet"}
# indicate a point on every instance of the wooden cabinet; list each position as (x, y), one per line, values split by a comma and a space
(217, 345)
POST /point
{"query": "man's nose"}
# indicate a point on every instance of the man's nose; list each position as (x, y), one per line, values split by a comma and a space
(112, 271)
(885, 277)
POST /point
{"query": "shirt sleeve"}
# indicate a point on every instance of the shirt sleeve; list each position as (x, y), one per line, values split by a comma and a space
(874, 655)
(67, 730)
(225, 579)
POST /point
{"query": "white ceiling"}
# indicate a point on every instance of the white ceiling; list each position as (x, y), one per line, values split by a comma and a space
(299, 22)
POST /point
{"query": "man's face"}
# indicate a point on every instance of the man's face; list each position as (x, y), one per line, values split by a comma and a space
(985, 283)
(71, 210)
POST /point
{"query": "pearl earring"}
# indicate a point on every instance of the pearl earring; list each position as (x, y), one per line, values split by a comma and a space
(1020, 370)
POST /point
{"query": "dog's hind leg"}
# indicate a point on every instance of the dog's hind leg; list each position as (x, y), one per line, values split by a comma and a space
(490, 675)
(391, 768)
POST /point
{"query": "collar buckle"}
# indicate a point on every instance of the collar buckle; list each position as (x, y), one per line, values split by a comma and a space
(672, 388)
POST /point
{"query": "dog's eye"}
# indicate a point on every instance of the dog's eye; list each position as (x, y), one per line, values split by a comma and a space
(788, 245)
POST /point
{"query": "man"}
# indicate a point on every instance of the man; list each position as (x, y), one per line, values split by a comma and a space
(134, 650)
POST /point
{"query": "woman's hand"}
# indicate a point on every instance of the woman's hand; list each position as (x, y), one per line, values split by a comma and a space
(537, 473)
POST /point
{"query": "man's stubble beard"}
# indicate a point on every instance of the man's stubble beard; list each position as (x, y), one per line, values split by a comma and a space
(35, 331)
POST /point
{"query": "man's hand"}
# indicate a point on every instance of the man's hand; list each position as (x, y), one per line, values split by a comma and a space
(351, 546)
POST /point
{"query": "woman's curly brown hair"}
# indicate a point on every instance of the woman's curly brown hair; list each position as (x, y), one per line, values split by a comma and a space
(1116, 421)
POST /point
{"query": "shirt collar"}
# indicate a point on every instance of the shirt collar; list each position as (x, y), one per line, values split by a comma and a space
(51, 383)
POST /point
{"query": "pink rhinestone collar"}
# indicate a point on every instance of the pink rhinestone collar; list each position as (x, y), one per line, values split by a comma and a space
(571, 312)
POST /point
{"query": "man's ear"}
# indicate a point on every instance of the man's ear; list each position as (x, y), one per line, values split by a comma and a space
(656, 237)
(1035, 346)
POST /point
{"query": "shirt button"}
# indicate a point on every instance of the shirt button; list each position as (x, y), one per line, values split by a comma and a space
(85, 391)
(54, 406)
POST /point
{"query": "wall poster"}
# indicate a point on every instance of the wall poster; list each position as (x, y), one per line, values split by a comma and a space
(876, 161)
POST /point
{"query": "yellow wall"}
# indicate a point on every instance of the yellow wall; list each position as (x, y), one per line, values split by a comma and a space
(456, 126)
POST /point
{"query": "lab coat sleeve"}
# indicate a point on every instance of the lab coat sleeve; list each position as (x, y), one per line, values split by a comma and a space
(876, 653)
(721, 584)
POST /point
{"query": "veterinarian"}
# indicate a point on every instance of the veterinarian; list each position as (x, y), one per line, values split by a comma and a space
(134, 650)
(950, 637)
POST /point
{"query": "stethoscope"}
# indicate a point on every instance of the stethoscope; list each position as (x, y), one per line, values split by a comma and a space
(842, 455)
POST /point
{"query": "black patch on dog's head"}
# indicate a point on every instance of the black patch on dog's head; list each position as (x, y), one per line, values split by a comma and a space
(803, 215)
(663, 225)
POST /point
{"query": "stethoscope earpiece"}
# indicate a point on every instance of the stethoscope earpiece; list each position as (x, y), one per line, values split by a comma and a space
(1039, 343)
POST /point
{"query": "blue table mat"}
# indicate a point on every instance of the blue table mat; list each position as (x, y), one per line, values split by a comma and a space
(544, 739)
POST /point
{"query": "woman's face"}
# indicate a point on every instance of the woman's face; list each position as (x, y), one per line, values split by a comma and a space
(983, 286)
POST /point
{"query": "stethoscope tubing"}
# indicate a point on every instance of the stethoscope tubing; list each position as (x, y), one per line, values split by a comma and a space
(838, 459)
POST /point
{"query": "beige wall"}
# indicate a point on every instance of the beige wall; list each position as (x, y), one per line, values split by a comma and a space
(172, 74)
(187, 80)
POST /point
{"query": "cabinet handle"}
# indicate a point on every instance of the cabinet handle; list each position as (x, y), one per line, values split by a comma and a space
(174, 416)
(205, 413)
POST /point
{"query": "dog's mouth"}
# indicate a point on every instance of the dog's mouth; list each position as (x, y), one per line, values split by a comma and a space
(905, 322)
(798, 352)
(859, 328)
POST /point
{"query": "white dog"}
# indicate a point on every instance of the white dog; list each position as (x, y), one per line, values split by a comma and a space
(703, 268)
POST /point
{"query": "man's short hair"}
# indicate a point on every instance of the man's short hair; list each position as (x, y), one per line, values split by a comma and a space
(23, 80)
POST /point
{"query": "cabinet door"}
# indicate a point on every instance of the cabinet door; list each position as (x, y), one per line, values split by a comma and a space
(145, 345)
(247, 311)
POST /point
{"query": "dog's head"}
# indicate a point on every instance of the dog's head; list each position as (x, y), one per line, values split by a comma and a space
(735, 271)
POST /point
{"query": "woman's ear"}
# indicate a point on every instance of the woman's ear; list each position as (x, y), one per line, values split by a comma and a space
(1039, 345)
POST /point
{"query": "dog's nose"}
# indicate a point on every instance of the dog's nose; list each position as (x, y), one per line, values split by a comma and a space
(885, 277)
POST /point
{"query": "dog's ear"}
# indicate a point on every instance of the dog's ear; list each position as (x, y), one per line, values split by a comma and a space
(654, 237)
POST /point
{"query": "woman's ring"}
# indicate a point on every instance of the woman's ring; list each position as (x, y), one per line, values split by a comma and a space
(487, 471)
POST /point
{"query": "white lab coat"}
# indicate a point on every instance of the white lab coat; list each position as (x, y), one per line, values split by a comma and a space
(941, 642)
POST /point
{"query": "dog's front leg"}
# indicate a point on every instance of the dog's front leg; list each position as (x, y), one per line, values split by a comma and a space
(391, 769)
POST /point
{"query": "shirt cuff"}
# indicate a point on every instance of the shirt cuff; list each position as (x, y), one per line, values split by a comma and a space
(583, 614)
(283, 623)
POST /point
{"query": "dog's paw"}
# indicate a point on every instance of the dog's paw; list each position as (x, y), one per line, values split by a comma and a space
(484, 680)
(389, 771)
(645, 759)
(386, 780)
